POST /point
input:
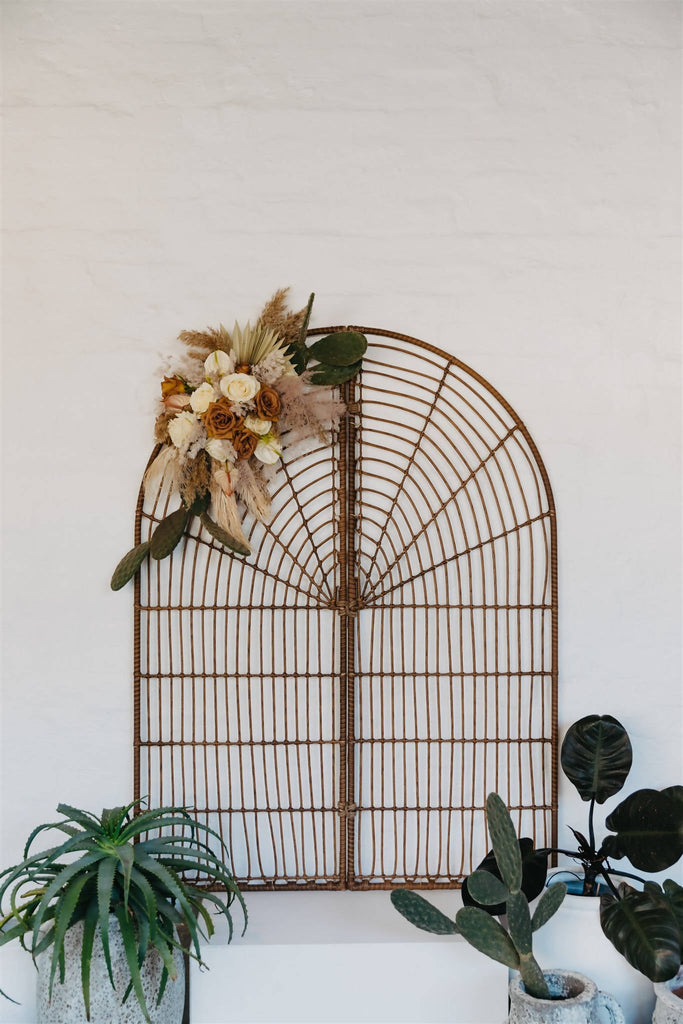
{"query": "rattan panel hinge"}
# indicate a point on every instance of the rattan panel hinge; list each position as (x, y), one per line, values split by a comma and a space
(345, 810)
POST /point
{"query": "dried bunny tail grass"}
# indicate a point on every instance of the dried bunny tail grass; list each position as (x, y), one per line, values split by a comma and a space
(253, 490)
(207, 341)
(286, 323)
(225, 507)
(164, 471)
(195, 477)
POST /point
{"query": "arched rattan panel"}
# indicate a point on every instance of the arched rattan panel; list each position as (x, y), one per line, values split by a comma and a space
(338, 705)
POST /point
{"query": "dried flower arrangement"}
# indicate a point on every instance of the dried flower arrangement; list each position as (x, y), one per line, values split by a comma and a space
(239, 399)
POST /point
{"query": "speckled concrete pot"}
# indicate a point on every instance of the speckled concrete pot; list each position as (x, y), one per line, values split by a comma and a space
(668, 1008)
(66, 1005)
(580, 1002)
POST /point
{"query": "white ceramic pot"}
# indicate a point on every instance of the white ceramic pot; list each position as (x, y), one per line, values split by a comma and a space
(66, 1005)
(577, 1001)
(669, 1007)
(574, 938)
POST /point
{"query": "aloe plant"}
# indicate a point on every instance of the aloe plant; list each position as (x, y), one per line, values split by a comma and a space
(139, 881)
(512, 947)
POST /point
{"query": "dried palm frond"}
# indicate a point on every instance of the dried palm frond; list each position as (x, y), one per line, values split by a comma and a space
(252, 344)
(225, 507)
(285, 322)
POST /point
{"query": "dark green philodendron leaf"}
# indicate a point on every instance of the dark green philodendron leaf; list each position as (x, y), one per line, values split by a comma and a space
(129, 565)
(644, 930)
(422, 913)
(329, 375)
(534, 873)
(222, 537)
(168, 533)
(673, 894)
(596, 756)
(343, 348)
(649, 830)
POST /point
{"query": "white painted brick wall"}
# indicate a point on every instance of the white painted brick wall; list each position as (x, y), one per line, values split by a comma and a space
(498, 177)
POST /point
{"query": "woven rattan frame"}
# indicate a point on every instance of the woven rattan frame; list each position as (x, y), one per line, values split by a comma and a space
(338, 705)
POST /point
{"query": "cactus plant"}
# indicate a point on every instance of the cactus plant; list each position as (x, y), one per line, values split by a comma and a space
(514, 946)
(502, 889)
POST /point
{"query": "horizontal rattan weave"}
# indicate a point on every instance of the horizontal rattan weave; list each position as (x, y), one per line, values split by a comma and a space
(338, 705)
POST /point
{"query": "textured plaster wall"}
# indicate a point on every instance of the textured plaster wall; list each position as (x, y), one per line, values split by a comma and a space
(499, 178)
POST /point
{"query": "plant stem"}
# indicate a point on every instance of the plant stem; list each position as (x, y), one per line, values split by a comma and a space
(591, 830)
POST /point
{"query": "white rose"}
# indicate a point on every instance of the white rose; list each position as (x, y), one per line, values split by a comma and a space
(184, 429)
(218, 363)
(257, 425)
(220, 450)
(201, 399)
(239, 387)
(268, 451)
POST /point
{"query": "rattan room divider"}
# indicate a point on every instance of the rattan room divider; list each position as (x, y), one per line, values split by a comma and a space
(338, 705)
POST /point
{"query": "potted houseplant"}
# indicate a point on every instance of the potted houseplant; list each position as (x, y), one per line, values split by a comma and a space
(644, 924)
(536, 996)
(100, 911)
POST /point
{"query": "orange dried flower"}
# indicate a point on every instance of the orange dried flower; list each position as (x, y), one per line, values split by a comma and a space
(220, 420)
(172, 386)
(244, 443)
(268, 403)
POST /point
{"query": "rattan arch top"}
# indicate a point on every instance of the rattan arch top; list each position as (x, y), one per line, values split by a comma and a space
(338, 705)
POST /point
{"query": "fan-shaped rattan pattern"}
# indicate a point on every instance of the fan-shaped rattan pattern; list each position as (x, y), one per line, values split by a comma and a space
(338, 705)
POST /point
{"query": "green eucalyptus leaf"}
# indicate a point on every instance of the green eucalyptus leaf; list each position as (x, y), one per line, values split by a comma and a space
(200, 504)
(343, 348)
(649, 830)
(129, 565)
(488, 936)
(168, 533)
(644, 930)
(328, 376)
(422, 913)
(596, 757)
(222, 537)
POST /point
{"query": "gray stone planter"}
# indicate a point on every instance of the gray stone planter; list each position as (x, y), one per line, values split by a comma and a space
(580, 1002)
(668, 1008)
(66, 1005)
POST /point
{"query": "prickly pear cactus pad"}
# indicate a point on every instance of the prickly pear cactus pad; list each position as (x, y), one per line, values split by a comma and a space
(228, 412)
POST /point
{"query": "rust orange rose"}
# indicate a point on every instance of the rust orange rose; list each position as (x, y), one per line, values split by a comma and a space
(172, 386)
(244, 443)
(220, 420)
(268, 403)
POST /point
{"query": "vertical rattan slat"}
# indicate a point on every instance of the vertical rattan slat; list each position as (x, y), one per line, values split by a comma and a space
(338, 705)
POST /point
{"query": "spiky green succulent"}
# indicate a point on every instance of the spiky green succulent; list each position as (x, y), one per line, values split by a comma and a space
(116, 872)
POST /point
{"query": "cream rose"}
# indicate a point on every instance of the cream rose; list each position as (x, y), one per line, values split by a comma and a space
(221, 451)
(184, 429)
(218, 363)
(239, 387)
(268, 451)
(201, 399)
(257, 425)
